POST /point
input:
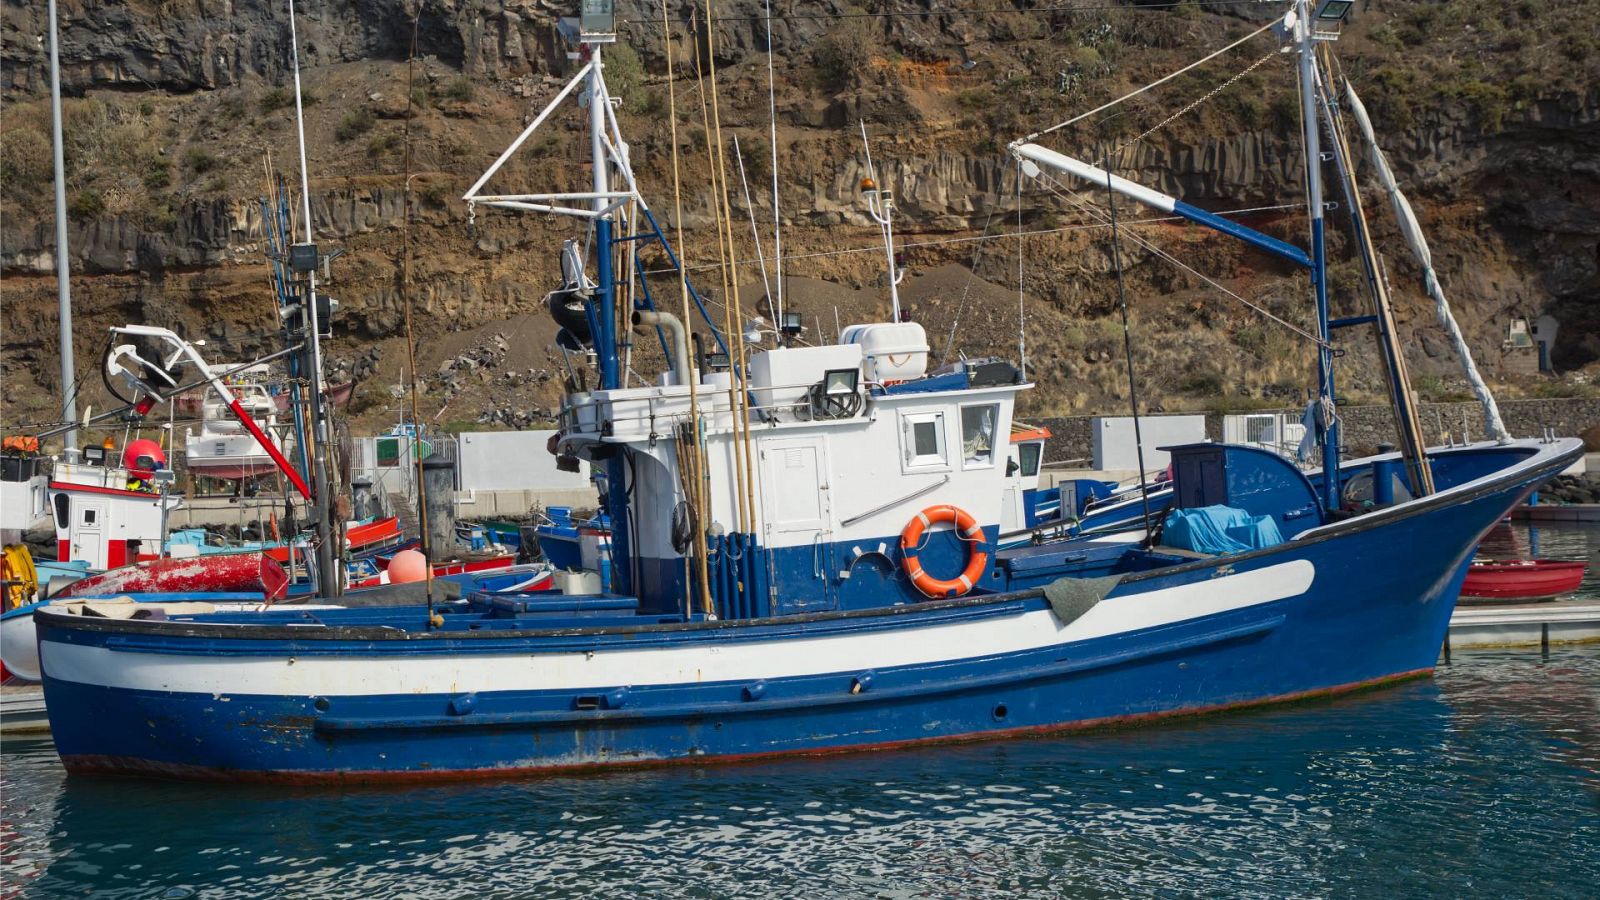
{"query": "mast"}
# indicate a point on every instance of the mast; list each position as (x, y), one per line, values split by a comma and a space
(605, 337)
(69, 412)
(880, 205)
(1412, 447)
(328, 583)
(1327, 423)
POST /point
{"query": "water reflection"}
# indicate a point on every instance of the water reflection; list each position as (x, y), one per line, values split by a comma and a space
(1476, 782)
(1485, 781)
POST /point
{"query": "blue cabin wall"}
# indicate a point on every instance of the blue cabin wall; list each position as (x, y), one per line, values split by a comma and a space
(1257, 481)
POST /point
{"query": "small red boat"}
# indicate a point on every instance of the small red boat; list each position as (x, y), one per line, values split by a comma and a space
(453, 567)
(358, 538)
(1522, 579)
(222, 572)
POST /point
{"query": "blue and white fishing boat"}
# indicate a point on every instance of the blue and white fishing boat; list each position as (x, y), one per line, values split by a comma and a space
(803, 562)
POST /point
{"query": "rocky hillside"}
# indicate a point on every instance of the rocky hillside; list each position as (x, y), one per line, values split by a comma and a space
(178, 110)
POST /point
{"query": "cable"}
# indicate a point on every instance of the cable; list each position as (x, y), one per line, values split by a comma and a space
(927, 13)
(1159, 81)
(916, 245)
(1067, 194)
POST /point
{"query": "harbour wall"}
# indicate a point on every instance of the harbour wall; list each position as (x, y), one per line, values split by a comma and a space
(1365, 427)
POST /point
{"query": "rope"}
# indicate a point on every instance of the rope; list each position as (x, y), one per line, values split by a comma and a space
(1070, 196)
(972, 273)
(1160, 81)
(983, 10)
(1196, 104)
(1153, 220)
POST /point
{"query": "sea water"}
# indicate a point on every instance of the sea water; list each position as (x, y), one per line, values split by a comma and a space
(1483, 781)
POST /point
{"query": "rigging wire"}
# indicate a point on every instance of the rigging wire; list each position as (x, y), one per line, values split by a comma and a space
(1196, 104)
(1127, 347)
(1022, 307)
(1002, 236)
(972, 273)
(1072, 197)
(434, 621)
(1159, 81)
(772, 139)
(982, 10)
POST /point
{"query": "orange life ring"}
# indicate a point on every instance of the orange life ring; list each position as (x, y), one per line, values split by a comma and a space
(966, 529)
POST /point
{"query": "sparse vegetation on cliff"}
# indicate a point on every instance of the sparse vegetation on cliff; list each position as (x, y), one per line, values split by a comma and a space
(1488, 109)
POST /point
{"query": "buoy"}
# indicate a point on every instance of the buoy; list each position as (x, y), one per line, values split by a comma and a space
(408, 566)
(143, 457)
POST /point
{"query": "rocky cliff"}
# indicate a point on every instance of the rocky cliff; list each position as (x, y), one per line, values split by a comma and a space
(1491, 114)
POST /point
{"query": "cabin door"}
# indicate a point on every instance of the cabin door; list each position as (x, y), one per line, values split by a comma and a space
(797, 511)
(89, 532)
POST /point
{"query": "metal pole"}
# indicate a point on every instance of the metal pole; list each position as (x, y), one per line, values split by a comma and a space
(328, 580)
(69, 412)
(1326, 422)
(605, 338)
(1127, 349)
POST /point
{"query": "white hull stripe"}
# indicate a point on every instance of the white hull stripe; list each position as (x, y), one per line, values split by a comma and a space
(780, 658)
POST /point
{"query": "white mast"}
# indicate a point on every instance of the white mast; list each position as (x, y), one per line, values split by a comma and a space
(880, 204)
(69, 412)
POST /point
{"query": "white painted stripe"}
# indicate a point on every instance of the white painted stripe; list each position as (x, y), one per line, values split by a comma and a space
(578, 671)
(1062, 163)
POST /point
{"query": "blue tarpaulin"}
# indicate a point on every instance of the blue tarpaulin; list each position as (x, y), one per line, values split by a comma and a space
(1219, 530)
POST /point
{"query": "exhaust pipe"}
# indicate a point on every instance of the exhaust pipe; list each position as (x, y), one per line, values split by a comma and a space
(680, 341)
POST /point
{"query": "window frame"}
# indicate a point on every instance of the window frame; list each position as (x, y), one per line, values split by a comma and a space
(1022, 458)
(994, 434)
(910, 460)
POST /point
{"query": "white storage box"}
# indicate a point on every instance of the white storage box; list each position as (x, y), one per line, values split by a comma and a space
(894, 351)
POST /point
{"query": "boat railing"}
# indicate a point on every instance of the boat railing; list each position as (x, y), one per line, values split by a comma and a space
(656, 413)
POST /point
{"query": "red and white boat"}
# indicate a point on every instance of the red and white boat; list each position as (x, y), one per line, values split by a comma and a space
(1522, 579)
(224, 447)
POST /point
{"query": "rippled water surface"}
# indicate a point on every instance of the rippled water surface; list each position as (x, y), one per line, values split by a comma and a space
(1484, 781)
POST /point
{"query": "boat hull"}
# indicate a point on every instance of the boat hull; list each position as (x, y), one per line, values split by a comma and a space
(1348, 606)
(1523, 579)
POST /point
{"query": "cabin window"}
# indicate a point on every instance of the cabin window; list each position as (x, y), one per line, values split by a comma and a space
(922, 439)
(63, 508)
(90, 516)
(1029, 455)
(977, 435)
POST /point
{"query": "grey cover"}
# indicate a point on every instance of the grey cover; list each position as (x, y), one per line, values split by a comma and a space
(1072, 597)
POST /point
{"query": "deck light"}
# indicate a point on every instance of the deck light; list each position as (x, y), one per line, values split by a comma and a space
(597, 21)
(1332, 12)
(841, 382)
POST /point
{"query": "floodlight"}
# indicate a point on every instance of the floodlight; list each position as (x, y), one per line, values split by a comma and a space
(840, 382)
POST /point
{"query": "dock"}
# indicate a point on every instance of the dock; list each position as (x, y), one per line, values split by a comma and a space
(22, 710)
(1557, 512)
(1524, 625)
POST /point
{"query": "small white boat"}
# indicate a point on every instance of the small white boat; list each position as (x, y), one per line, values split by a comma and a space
(223, 447)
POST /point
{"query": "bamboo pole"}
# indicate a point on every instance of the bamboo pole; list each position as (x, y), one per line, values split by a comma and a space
(698, 493)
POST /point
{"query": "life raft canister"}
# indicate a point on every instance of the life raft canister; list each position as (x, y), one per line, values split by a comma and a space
(966, 529)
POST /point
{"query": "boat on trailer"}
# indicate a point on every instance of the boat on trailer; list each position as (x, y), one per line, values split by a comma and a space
(803, 561)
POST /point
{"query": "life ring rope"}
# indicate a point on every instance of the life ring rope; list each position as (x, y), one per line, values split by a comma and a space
(966, 528)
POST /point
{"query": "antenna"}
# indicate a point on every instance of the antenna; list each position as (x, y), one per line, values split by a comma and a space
(880, 204)
(772, 139)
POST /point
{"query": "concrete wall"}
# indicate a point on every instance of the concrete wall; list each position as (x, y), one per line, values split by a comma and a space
(513, 461)
(1365, 427)
(1114, 447)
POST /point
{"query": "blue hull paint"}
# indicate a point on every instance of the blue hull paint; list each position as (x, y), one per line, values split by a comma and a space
(1377, 609)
